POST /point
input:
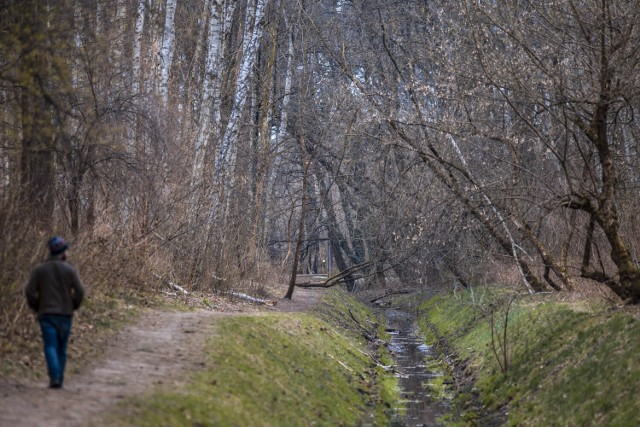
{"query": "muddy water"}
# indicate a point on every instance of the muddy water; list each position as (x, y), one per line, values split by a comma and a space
(418, 406)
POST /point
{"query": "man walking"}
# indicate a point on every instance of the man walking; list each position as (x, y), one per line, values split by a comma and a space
(54, 291)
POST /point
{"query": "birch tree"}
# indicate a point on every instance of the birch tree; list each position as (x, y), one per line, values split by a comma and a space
(212, 62)
(250, 43)
(210, 115)
(136, 58)
(167, 49)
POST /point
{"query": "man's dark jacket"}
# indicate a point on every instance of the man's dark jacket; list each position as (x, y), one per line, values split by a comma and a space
(54, 288)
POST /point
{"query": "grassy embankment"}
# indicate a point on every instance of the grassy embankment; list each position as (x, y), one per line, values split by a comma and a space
(278, 369)
(567, 363)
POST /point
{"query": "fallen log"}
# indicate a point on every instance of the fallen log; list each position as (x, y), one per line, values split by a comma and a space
(172, 285)
(251, 299)
(390, 292)
(366, 333)
(315, 285)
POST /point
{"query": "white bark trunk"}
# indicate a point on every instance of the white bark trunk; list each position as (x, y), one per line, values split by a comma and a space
(166, 49)
(250, 43)
(137, 46)
(215, 39)
(284, 115)
(77, 25)
(249, 298)
(121, 16)
(229, 8)
(99, 17)
(116, 57)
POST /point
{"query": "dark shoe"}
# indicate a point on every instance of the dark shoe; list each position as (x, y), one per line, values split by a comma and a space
(55, 384)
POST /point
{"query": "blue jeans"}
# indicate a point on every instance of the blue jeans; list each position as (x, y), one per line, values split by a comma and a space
(55, 335)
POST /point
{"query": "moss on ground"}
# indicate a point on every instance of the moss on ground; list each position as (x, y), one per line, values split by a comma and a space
(277, 369)
(569, 363)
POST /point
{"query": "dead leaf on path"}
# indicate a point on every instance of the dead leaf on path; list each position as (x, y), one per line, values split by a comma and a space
(26, 361)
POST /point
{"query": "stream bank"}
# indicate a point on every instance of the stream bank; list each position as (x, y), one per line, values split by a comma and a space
(436, 387)
(274, 368)
(421, 403)
(569, 361)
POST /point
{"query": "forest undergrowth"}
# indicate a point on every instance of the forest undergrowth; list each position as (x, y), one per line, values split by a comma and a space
(119, 280)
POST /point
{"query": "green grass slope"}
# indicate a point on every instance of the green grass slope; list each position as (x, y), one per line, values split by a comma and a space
(568, 363)
(274, 369)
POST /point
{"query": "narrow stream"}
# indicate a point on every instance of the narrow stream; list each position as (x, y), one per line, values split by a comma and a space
(409, 353)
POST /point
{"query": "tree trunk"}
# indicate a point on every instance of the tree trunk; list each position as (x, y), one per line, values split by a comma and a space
(303, 215)
(137, 47)
(606, 214)
(250, 44)
(206, 129)
(37, 177)
(336, 240)
(496, 212)
(167, 49)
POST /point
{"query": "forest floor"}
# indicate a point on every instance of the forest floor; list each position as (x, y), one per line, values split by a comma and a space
(159, 347)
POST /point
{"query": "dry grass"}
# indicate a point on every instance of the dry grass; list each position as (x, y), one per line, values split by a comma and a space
(119, 279)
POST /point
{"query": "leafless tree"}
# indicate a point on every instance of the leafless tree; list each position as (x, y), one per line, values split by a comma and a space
(440, 141)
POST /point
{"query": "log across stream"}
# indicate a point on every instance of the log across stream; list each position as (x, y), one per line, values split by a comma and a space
(418, 406)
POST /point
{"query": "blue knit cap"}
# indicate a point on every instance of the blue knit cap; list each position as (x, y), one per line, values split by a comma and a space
(57, 245)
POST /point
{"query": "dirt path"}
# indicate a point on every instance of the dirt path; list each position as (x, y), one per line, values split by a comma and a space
(159, 349)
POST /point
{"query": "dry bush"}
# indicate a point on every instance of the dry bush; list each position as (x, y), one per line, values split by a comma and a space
(22, 247)
(106, 265)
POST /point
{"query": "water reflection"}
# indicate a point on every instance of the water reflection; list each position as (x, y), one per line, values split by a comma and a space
(409, 353)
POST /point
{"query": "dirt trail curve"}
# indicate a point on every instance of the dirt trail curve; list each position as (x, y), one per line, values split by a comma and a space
(158, 349)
